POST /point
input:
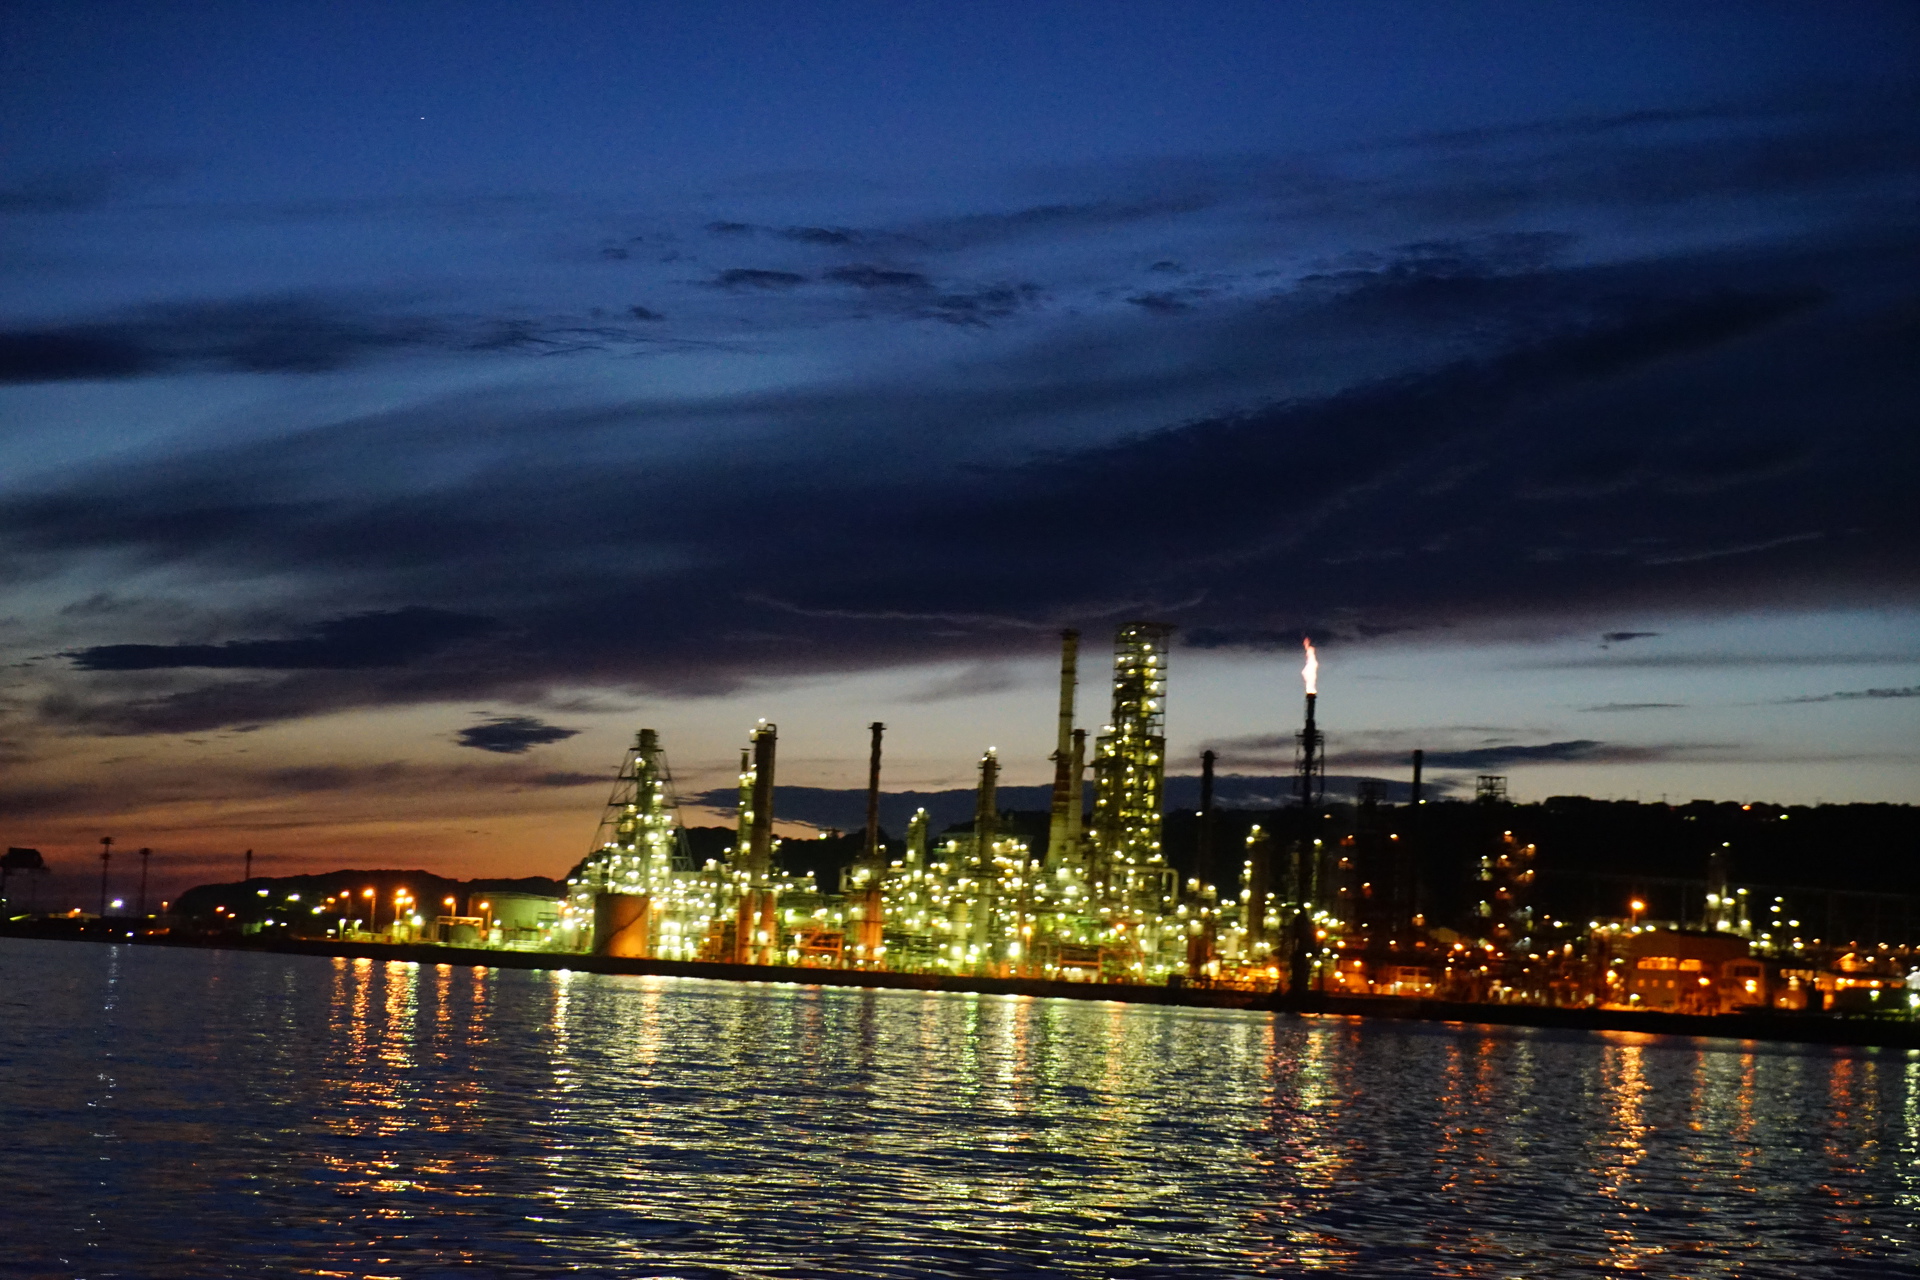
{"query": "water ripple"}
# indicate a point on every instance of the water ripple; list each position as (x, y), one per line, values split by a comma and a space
(211, 1114)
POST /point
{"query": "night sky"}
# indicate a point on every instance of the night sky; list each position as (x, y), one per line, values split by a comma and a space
(402, 404)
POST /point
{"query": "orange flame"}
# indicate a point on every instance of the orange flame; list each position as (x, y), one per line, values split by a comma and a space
(1311, 672)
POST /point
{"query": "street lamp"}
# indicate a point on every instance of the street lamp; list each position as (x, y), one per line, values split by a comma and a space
(1636, 907)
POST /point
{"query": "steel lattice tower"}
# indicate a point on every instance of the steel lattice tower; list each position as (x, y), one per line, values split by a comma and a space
(640, 843)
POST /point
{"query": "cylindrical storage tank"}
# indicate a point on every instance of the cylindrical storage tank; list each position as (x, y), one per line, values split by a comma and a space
(620, 923)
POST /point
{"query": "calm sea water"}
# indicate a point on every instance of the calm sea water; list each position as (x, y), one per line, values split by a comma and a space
(171, 1113)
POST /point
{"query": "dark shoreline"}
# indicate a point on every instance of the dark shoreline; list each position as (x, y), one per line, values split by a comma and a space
(1792, 1028)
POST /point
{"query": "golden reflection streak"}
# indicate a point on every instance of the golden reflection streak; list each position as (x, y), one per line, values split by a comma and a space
(360, 1080)
(1908, 1164)
(1624, 1082)
(1853, 1098)
(1741, 1132)
(1307, 1161)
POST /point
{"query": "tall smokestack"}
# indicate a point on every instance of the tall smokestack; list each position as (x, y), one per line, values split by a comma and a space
(872, 853)
(869, 937)
(1419, 760)
(1059, 830)
(1307, 872)
(760, 857)
(986, 817)
(1312, 765)
(1204, 868)
(768, 923)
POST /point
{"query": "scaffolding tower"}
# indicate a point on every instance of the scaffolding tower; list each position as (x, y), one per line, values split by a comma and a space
(632, 889)
(640, 842)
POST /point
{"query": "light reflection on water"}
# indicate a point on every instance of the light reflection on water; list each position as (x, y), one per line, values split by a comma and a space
(220, 1114)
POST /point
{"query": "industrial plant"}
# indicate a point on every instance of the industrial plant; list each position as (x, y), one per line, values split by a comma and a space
(1296, 904)
(1098, 902)
(1309, 896)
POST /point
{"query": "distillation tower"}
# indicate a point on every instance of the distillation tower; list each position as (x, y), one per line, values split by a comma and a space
(1130, 875)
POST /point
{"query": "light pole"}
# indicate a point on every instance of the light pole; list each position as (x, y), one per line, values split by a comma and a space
(106, 856)
(144, 855)
(373, 909)
(1636, 907)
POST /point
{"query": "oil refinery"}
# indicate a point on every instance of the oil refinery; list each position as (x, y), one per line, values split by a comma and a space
(1099, 902)
(1112, 884)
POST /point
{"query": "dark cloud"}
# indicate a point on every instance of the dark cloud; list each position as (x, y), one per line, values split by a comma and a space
(870, 277)
(1575, 751)
(833, 236)
(757, 278)
(295, 335)
(273, 336)
(1636, 706)
(1256, 638)
(1061, 220)
(163, 792)
(979, 678)
(1727, 661)
(1857, 695)
(64, 355)
(1620, 637)
(1183, 522)
(361, 640)
(1163, 304)
(982, 306)
(1459, 428)
(724, 228)
(512, 735)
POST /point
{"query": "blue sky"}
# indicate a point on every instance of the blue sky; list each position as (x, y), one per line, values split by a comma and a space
(371, 373)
